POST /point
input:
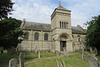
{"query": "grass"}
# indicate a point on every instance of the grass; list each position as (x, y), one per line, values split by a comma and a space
(71, 61)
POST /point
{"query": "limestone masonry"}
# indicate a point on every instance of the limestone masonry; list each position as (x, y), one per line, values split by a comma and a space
(55, 36)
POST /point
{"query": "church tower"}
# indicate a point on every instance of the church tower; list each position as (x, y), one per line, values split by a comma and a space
(61, 28)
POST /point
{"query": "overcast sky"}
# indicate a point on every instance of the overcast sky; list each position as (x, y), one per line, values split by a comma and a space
(41, 10)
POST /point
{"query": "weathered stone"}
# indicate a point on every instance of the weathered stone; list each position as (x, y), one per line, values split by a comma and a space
(81, 53)
(13, 62)
(57, 55)
(57, 63)
(86, 56)
(91, 50)
(93, 61)
(39, 56)
(65, 52)
(36, 50)
(63, 64)
(95, 51)
(21, 60)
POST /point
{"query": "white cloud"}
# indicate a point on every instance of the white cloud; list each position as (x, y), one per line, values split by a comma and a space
(40, 10)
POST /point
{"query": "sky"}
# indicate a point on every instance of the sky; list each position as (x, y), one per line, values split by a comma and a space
(41, 10)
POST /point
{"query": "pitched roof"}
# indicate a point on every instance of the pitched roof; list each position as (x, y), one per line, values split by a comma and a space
(47, 27)
(37, 26)
(61, 8)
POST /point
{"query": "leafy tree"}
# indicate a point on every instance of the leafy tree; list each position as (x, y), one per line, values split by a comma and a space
(93, 32)
(9, 33)
(5, 8)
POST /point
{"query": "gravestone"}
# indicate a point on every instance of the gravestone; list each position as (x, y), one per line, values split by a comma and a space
(57, 55)
(93, 61)
(21, 60)
(57, 63)
(39, 56)
(86, 56)
(81, 53)
(13, 62)
(36, 50)
(95, 51)
(91, 50)
(63, 63)
(65, 52)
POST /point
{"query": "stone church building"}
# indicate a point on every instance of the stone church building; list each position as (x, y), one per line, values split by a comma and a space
(55, 36)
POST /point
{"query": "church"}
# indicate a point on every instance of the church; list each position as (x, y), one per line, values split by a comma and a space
(55, 36)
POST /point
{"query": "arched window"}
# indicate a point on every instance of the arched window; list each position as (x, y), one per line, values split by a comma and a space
(36, 36)
(46, 37)
(26, 35)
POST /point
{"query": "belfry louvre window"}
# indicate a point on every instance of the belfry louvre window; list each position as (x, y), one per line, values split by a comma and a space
(46, 37)
(36, 36)
(63, 25)
(26, 35)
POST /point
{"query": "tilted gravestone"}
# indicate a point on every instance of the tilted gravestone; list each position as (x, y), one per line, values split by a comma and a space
(21, 60)
(13, 62)
(81, 53)
(93, 61)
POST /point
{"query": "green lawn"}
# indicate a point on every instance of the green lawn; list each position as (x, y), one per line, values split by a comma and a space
(71, 61)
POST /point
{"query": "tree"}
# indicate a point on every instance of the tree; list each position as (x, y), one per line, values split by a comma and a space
(9, 33)
(5, 8)
(93, 32)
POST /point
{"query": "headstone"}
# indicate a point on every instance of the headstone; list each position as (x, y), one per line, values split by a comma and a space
(95, 51)
(91, 50)
(81, 53)
(99, 63)
(93, 61)
(65, 52)
(39, 54)
(36, 50)
(63, 64)
(21, 60)
(57, 55)
(13, 62)
(86, 56)
(57, 63)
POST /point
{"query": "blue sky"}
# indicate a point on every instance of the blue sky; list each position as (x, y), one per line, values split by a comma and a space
(41, 10)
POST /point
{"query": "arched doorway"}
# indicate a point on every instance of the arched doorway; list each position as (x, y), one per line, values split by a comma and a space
(63, 41)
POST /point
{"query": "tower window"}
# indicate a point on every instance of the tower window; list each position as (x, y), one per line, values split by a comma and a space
(36, 36)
